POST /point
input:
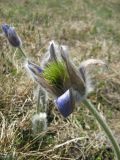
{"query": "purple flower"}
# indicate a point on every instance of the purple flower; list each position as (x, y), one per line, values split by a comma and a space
(11, 35)
(75, 88)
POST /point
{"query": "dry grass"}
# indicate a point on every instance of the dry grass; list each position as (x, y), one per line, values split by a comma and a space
(91, 30)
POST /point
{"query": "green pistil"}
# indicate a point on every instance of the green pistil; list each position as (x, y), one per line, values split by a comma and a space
(56, 74)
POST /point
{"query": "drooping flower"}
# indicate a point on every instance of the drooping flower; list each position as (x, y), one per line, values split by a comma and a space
(11, 35)
(62, 79)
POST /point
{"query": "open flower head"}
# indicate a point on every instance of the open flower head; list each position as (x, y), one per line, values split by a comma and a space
(63, 79)
(11, 35)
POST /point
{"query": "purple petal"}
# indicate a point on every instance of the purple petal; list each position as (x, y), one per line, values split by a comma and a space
(77, 82)
(51, 54)
(34, 68)
(65, 103)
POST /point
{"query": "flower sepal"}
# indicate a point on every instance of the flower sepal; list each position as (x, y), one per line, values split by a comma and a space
(65, 103)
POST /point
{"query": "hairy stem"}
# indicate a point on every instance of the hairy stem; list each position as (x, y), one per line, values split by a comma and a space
(22, 52)
(41, 101)
(38, 101)
(105, 127)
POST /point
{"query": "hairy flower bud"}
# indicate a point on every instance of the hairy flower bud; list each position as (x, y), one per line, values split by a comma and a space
(11, 35)
(39, 122)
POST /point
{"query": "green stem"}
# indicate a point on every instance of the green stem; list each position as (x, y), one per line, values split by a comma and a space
(23, 53)
(105, 127)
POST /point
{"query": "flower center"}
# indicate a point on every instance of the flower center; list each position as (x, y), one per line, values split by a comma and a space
(56, 75)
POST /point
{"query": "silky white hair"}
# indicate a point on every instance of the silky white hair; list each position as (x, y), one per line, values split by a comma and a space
(39, 122)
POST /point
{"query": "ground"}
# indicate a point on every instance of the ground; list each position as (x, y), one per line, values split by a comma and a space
(90, 29)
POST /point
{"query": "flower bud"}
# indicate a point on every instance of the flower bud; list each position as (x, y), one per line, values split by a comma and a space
(11, 35)
(39, 122)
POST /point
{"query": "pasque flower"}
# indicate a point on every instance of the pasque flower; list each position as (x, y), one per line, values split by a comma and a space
(68, 84)
(11, 35)
(61, 78)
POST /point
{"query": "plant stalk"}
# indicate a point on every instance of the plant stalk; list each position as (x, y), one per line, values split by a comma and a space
(22, 52)
(105, 127)
(38, 101)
